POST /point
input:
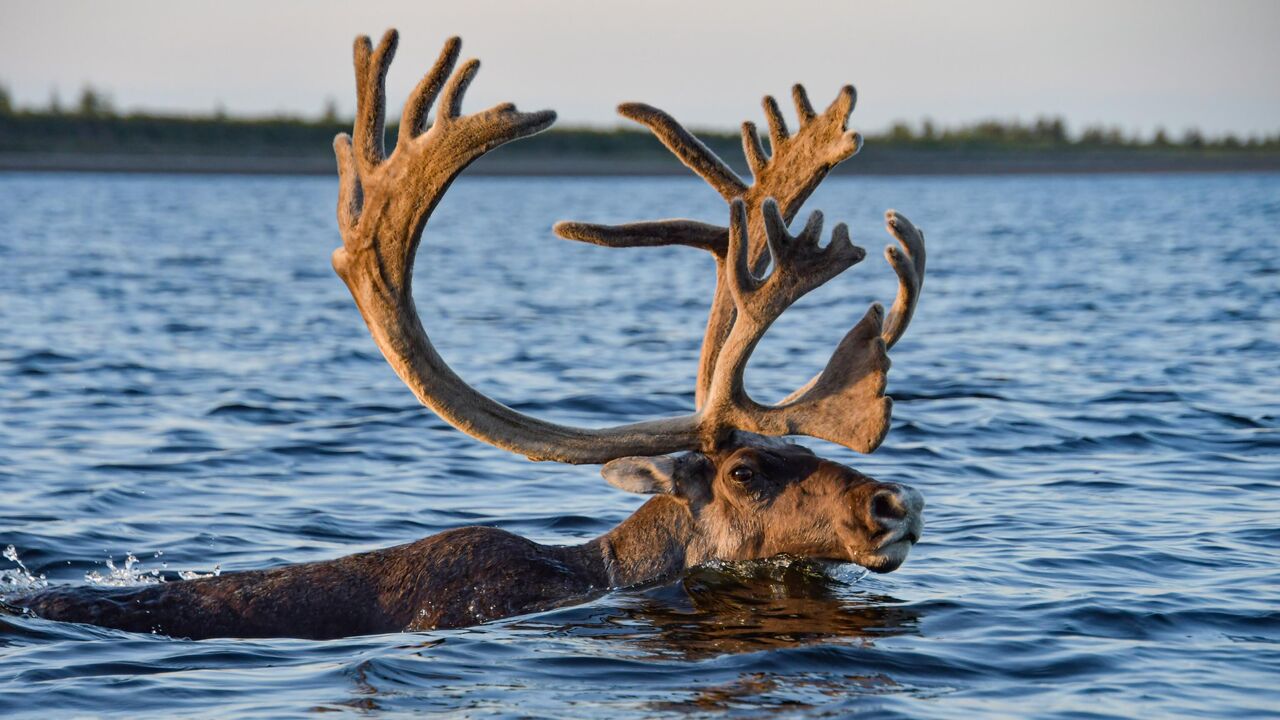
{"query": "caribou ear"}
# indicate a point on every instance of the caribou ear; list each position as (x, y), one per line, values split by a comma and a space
(686, 475)
(644, 475)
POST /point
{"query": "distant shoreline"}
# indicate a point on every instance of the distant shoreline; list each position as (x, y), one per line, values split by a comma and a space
(96, 140)
(883, 163)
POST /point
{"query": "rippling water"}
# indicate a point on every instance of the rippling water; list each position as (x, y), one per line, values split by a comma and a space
(1088, 397)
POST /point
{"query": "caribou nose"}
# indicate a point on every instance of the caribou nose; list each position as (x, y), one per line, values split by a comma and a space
(898, 507)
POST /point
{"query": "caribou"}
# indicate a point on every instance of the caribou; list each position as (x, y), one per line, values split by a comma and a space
(727, 485)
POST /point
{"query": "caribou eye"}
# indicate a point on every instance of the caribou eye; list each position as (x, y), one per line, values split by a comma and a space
(741, 474)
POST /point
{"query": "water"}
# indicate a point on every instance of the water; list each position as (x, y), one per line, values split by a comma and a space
(1088, 397)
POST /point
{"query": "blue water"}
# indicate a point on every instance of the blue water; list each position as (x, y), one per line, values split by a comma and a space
(1088, 397)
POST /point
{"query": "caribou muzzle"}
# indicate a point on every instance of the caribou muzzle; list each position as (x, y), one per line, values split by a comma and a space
(895, 515)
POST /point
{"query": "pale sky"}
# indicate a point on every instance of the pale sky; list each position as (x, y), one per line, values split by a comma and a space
(1134, 63)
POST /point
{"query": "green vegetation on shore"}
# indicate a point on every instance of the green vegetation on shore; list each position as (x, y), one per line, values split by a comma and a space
(92, 128)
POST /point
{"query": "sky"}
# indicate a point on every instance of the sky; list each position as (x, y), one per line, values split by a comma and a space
(1136, 64)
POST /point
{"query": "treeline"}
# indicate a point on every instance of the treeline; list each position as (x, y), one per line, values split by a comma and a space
(91, 125)
(1052, 132)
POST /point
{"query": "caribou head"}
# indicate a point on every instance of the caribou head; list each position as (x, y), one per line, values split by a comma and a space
(742, 492)
(758, 497)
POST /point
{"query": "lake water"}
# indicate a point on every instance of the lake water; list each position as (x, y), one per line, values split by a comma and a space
(1088, 397)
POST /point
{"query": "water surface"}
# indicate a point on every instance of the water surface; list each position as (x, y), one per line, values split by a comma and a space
(1088, 397)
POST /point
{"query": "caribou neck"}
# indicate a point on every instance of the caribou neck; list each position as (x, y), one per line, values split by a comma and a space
(657, 541)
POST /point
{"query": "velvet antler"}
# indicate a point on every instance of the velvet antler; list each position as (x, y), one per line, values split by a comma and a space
(385, 203)
(797, 164)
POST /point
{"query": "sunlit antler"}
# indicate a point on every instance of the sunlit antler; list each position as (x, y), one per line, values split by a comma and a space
(908, 262)
(385, 203)
(383, 207)
(846, 404)
(797, 164)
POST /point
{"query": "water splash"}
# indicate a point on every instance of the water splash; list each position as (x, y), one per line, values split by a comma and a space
(19, 578)
(134, 574)
(193, 575)
(131, 574)
(789, 567)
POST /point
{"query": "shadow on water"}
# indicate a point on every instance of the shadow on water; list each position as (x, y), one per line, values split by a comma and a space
(749, 607)
(724, 610)
(743, 607)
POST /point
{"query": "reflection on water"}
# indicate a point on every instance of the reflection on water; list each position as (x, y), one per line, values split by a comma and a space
(750, 607)
(737, 608)
(740, 608)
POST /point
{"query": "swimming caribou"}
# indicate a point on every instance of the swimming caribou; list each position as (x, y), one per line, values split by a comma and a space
(725, 485)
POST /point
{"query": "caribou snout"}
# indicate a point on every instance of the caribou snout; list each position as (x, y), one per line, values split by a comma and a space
(896, 518)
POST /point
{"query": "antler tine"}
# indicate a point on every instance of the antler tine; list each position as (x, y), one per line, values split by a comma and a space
(804, 110)
(696, 156)
(371, 76)
(456, 90)
(742, 281)
(413, 121)
(812, 232)
(908, 262)
(844, 103)
(350, 192)
(654, 233)
(778, 133)
(757, 158)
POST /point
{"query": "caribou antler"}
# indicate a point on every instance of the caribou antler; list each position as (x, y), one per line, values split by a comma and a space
(797, 164)
(848, 406)
(385, 203)
(383, 207)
